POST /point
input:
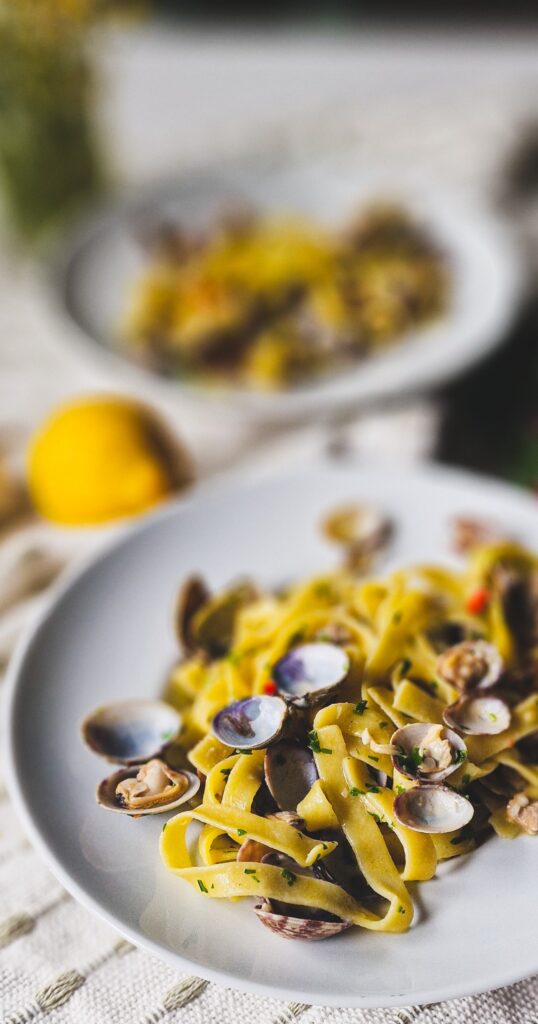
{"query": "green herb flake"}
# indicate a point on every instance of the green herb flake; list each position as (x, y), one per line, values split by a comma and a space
(246, 752)
(324, 589)
(360, 707)
(289, 876)
(225, 772)
(466, 833)
(252, 871)
(410, 762)
(400, 789)
(372, 757)
(354, 791)
(401, 910)
(241, 831)
(372, 789)
(492, 716)
(201, 885)
(459, 756)
(313, 743)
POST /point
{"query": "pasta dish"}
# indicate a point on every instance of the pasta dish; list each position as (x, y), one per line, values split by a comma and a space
(338, 738)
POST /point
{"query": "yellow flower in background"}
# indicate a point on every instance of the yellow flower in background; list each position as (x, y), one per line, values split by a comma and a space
(103, 458)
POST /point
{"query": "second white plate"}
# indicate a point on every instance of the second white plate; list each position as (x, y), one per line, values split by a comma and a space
(100, 264)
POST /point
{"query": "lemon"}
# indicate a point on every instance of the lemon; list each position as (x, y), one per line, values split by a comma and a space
(99, 459)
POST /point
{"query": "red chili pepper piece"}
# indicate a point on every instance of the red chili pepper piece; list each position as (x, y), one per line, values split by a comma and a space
(478, 600)
(270, 687)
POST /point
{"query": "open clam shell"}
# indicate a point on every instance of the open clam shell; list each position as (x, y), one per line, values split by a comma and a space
(132, 731)
(206, 622)
(422, 746)
(294, 922)
(478, 716)
(340, 867)
(433, 809)
(193, 595)
(170, 789)
(471, 665)
(307, 674)
(290, 772)
(250, 723)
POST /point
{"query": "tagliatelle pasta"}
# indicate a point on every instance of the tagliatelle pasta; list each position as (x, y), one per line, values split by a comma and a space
(349, 734)
(401, 638)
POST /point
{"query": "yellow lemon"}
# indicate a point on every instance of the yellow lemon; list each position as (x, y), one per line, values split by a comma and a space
(104, 458)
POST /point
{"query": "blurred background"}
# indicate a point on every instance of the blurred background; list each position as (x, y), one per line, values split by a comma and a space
(102, 103)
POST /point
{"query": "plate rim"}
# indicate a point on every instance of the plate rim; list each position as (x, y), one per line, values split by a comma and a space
(423, 470)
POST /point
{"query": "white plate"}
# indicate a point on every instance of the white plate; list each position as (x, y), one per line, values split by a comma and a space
(108, 636)
(99, 266)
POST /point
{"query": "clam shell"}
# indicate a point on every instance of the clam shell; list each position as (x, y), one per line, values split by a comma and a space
(192, 596)
(131, 732)
(106, 793)
(307, 674)
(212, 626)
(478, 716)
(411, 736)
(250, 723)
(433, 809)
(456, 665)
(291, 925)
(290, 772)
(340, 867)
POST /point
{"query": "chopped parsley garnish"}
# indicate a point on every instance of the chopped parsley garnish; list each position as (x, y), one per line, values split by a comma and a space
(313, 743)
(289, 876)
(201, 885)
(252, 871)
(249, 752)
(466, 833)
(459, 756)
(355, 791)
(360, 707)
(400, 789)
(372, 757)
(492, 716)
(376, 817)
(324, 589)
(372, 789)
(241, 831)
(410, 762)
(225, 772)
(401, 910)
